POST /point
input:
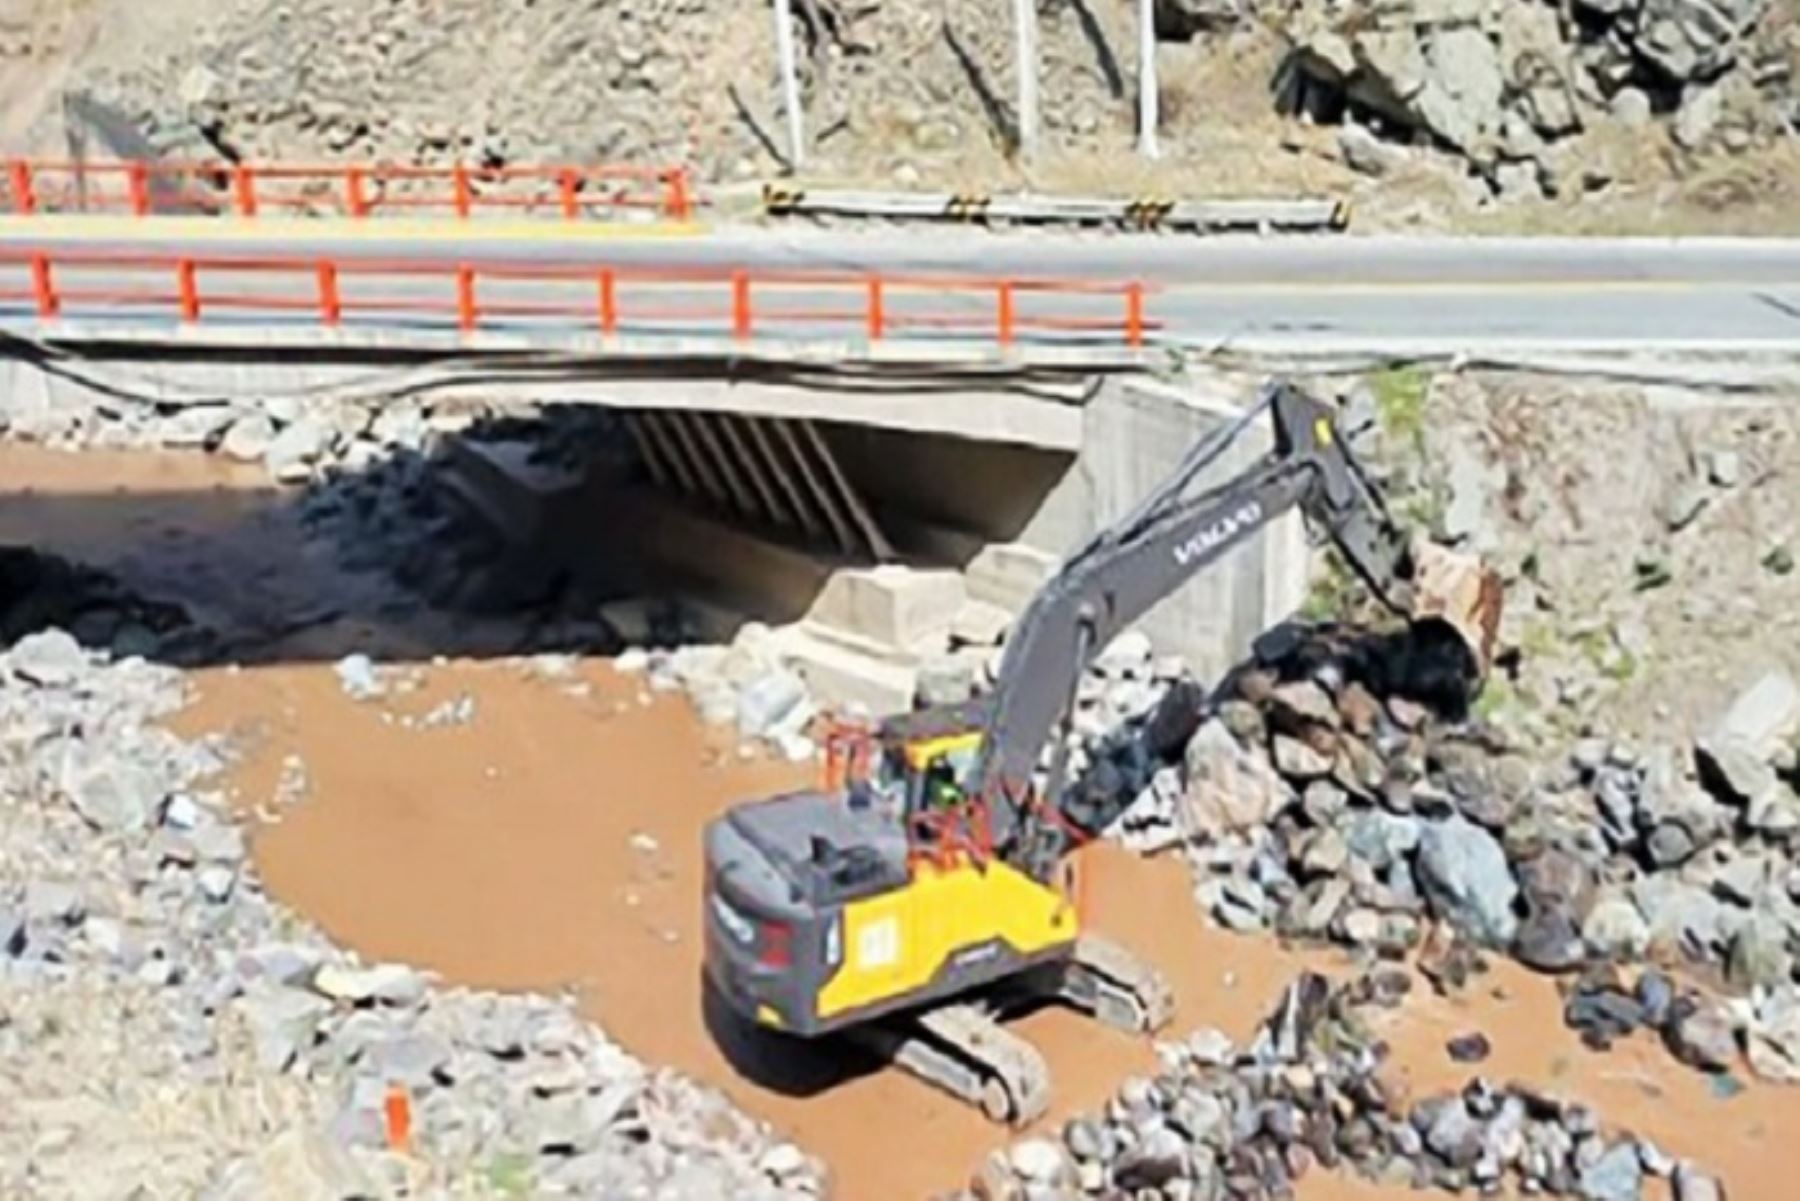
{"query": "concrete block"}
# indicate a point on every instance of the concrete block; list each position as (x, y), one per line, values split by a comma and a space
(980, 623)
(840, 676)
(1008, 574)
(907, 608)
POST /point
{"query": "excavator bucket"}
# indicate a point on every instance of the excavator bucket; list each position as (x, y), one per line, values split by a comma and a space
(1460, 594)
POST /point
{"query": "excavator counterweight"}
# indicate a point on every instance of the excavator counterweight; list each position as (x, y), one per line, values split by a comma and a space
(927, 895)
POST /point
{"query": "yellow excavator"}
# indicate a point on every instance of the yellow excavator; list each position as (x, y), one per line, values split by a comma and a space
(926, 894)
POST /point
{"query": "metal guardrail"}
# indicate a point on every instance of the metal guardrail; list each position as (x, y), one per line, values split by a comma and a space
(448, 296)
(1313, 215)
(153, 188)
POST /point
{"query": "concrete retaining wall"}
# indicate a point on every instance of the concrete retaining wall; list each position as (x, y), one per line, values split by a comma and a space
(1134, 433)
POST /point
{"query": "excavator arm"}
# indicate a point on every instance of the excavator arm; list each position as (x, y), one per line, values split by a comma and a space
(1126, 569)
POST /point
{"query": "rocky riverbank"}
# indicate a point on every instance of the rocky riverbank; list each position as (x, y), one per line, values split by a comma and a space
(1663, 112)
(244, 1055)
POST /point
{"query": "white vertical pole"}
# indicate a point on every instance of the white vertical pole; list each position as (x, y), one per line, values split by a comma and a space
(1147, 78)
(790, 81)
(1025, 34)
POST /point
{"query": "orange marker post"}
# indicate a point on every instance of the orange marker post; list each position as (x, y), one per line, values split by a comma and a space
(398, 1110)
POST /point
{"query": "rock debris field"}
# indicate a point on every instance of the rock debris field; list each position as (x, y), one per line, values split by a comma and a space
(1607, 837)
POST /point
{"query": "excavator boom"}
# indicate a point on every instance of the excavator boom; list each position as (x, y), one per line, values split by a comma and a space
(1171, 536)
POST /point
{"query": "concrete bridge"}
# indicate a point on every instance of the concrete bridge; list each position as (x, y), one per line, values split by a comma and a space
(814, 412)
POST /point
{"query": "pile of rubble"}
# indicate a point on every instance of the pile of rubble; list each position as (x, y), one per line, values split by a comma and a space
(1219, 1121)
(135, 935)
(1319, 799)
(1513, 85)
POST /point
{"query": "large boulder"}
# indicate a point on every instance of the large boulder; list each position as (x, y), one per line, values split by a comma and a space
(1230, 787)
(1465, 876)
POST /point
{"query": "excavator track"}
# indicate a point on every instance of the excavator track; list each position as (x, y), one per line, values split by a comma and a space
(1116, 987)
(963, 1050)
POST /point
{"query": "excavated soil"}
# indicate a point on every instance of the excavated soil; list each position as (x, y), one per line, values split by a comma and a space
(552, 841)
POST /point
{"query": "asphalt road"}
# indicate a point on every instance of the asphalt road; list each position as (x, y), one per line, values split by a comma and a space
(1295, 293)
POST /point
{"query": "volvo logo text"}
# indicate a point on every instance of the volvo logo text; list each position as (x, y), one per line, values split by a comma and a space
(1219, 531)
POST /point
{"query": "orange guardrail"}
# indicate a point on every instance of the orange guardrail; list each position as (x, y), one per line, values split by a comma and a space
(142, 188)
(742, 304)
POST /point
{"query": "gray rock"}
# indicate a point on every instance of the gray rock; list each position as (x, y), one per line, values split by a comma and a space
(1616, 930)
(1367, 154)
(1762, 716)
(598, 1174)
(1558, 879)
(1126, 656)
(1772, 1039)
(1776, 811)
(181, 812)
(1631, 108)
(281, 963)
(1324, 853)
(1298, 760)
(297, 1165)
(1158, 1158)
(1084, 1139)
(1461, 99)
(1549, 940)
(412, 1060)
(565, 1123)
(1670, 844)
(1703, 1036)
(1743, 879)
(1465, 876)
(1683, 918)
(218, 844)
(115, 795)
(1038, 1160)
(1759, 954)
(1737, 771)
(1693, 38)
(1724, 468)
(12, 931)
(1466, 516)
(1303, 703)
(358, 678)
(782, 1161)
(248, 438)
(1381, 839)
(216, 882)
(283, 1021)
(1229, 787)
(769, 702)
(1361, 927)
(1209, 1047)
(1614, 1176)
(54, 901)
(1684, 504)
(1241, 904)
(49, 658)
(1311, 913)
(1692, 1184)
(292, 453)
(1454, 1134)
(394, 983)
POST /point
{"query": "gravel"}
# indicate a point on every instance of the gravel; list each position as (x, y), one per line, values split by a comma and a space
(246, 1056)
(1310, 1090)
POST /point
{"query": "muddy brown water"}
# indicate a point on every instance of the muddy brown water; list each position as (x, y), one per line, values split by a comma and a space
(505, 853)
(508, 853)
